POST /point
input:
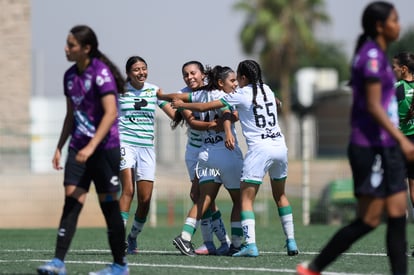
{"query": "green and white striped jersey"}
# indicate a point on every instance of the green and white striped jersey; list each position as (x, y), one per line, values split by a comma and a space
(137, 115)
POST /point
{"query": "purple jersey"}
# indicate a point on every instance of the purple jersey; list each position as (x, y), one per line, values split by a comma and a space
(371, 63)
(85, 92)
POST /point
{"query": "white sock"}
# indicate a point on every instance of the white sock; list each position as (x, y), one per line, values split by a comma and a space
(189, 228)
(249, 230)
(287, 224)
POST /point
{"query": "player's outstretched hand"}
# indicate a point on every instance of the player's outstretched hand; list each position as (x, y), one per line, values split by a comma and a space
(177, 103)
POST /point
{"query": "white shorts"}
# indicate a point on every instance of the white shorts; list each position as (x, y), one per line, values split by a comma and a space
(262, 159)
(191, 156)
(221, 166)
(142, 159)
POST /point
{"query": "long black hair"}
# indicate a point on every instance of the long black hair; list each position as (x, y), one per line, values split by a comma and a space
(178, 116)
(86, 36)
(214, 75)
(375, 12)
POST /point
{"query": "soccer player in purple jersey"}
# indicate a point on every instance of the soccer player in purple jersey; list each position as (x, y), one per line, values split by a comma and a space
(90, 86)
(377, 147)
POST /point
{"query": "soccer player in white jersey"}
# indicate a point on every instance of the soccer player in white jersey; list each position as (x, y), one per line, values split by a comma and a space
(267, 151)
(216, 164)
(193, 75)
(137, 105)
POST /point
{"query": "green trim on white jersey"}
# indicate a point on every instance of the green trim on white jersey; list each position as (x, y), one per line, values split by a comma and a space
(211, 138)
(193, 136)
(137, 115)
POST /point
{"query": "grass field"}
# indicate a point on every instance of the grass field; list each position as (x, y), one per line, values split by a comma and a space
(21, 251)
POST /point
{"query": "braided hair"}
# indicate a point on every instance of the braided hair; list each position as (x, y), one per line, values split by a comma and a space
(251, 69)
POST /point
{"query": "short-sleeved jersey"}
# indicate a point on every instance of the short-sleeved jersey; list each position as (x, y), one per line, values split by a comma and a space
(85, 91)
(211, 138)
(405, 93)
(137, 115)
(193, 136)
(371, 64)
(259, 122)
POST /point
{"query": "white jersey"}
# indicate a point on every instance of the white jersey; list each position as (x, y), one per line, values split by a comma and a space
(211, 138)
(193, 136)
(259, 123)
(137, 115)
(215, 162)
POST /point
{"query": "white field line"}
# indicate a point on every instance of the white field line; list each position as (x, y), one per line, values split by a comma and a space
(177, 252)
(255, 269)
(235, 268)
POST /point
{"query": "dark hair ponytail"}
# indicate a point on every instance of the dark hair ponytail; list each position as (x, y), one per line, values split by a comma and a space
(178, 120)
(86, 36)
(375, 12)
(214, 75)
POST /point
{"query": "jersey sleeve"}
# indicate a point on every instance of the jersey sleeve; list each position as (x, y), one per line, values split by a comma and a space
(105, 81)
(372, 64)
(400, 92)
(232, 100)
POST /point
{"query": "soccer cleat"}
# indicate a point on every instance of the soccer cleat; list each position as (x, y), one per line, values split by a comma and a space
(132, 245)
(223, 249)
(249, 250)
(233, 250)
(292, 249)
(113, 269)
(207, 248)
(303, 269)
(54, 267)
(185, 247)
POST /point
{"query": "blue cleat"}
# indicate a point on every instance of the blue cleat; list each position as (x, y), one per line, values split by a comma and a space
(249, 250)
(292, 249)
(113, 269)
(132, 246)
(54, 267)
(223, 249)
